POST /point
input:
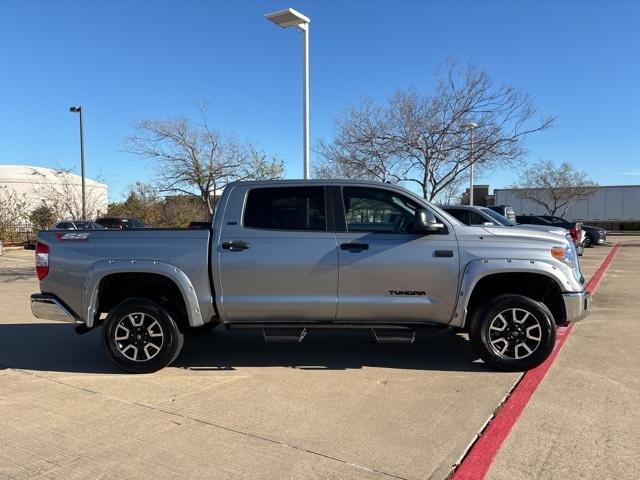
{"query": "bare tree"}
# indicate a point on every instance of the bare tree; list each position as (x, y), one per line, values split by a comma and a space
(14, 207)
(145, 202)
(142, 201)
(61, 193)
(417, 139)
(554, 187)
(194, 159)
(452, 193)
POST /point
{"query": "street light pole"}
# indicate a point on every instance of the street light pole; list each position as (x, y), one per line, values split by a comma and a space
(305, 98)
(470, 126)
(84, 204)
(292, 18)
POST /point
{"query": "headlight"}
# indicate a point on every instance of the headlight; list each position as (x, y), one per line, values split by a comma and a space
(565, 254)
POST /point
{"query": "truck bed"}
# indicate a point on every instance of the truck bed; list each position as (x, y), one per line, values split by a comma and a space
(77, 257)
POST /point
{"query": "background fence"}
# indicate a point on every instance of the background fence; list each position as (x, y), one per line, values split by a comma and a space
(17, 234)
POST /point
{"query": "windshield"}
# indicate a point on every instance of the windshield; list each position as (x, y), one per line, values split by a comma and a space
(445, 214)
(497, 217)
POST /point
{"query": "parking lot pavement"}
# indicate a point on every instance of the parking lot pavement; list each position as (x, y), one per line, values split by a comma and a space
(233, 406)
(584, 419)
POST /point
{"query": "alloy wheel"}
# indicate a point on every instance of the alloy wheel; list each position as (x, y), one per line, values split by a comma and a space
(515, 333)
(139, 336)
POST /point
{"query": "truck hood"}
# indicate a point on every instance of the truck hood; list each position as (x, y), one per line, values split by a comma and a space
(545, 228)
(515, 234)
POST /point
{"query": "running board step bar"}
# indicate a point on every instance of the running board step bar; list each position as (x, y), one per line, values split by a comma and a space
(284, 334)
(393, 335)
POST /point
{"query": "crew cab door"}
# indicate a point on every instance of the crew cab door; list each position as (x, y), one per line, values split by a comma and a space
(386, 272)
(277, 257)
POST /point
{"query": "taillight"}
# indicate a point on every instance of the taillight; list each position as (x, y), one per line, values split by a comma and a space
(574, 233)
(42, 260)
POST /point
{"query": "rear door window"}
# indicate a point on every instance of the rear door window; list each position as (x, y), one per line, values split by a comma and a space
(286, 208)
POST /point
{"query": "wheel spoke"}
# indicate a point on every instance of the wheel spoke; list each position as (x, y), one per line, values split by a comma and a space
(493, 325)
(130, 347)
(530, 336)
(527, 315)
(526, 347)
(134, 322)
(151, 345)
(498, 340)
(158, 332)
(127, 332)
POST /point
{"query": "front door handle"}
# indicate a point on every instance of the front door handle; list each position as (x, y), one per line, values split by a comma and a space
(354, 247)
(235, 245)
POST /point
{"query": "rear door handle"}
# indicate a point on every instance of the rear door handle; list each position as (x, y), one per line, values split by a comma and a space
(354, 247)
(235, 245)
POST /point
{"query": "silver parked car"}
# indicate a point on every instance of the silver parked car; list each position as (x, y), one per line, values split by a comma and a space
(77, 225)
(477, 215)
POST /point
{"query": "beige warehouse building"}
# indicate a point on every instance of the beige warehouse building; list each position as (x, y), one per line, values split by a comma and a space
(59, 190)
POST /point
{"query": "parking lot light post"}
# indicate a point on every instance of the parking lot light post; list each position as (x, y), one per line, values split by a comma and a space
(470, 126)
(78, 110)
(292, 18)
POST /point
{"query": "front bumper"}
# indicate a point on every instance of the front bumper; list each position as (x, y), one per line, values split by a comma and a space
(48, 307)
(577, 305)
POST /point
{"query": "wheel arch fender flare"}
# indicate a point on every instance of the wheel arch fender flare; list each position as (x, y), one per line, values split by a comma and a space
(104, 268)
(476, 270)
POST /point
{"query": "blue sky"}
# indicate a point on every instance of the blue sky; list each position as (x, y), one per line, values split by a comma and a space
(125, 60)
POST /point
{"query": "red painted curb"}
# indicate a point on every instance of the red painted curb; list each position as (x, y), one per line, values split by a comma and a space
(594, 283)
(478, 460)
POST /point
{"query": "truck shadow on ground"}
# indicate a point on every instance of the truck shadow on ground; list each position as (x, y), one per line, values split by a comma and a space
(10, 274)
(56, 348)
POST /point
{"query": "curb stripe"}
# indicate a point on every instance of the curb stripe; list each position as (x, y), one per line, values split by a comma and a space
(479, 457)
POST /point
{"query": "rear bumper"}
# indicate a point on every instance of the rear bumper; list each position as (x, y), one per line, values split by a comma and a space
(577, 305)
(48, 307)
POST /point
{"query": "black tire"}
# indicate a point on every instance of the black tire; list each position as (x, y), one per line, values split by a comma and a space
(503, 349)
(157, 342)
(587, 242)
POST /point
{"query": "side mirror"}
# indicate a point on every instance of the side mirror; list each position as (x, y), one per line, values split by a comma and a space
(426, 222)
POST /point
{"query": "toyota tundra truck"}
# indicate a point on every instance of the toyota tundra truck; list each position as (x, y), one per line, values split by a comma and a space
(287, 257)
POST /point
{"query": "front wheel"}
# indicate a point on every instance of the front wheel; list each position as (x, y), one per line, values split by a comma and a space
(587, 242)
(513, 333)
(140, 336)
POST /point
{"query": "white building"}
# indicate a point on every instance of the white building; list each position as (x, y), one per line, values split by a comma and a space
(61, 191)
(616, 206)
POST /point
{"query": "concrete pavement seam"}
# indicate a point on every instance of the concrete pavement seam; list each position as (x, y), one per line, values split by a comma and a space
(211, 424)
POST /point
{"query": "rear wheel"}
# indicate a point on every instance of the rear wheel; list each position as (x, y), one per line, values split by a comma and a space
(513, 332)
(140, 336)
(588, 242)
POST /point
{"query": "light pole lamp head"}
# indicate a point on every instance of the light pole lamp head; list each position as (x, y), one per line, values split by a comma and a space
(469, 125)
(288, 18)
(77, 109)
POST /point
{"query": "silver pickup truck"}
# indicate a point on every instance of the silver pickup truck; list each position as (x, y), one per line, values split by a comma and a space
(285, 257)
